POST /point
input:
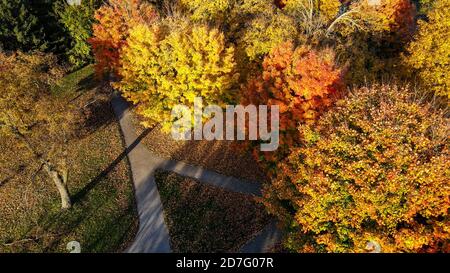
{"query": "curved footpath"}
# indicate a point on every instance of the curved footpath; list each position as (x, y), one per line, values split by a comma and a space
(153, 234)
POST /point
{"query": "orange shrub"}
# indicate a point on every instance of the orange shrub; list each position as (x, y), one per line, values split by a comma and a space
(373, 170)
(301, 81)
(115, 18)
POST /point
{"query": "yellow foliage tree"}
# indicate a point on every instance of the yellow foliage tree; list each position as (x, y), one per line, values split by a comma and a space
(391, 20)
(430, 50)
(326, 9)
(263, 34)
(25, 103)
(161, 69)
(208, 11)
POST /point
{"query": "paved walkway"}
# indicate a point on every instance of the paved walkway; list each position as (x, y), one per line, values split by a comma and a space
(264, 241)
(153, 235)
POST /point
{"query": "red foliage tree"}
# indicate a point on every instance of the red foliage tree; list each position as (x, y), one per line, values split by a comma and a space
(115, 19)
(302, 81)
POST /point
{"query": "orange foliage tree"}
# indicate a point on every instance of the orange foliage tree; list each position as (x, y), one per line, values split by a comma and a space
(115, 19)
(301, 81)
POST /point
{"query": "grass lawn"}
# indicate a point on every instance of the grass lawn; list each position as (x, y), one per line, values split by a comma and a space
(203, 218)
(103, 217)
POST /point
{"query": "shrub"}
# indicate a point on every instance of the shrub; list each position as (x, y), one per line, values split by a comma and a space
(115, 19)
(161, 69)
(374, 169)
(429, 52)
(302, 81)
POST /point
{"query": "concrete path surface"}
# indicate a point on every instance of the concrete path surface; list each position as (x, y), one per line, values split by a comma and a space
(153, 235)
(264, 242)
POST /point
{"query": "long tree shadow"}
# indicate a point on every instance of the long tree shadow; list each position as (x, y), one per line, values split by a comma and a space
(87, 83)
(97, 114)
(82, 193)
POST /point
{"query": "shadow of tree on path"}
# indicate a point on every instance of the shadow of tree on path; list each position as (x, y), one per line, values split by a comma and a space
(82, 193)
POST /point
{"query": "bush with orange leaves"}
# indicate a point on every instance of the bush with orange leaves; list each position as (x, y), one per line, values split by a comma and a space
(373, 171)
(303, 82)
(115, 19)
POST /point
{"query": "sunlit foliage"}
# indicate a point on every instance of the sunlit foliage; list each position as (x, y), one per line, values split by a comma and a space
(161, 69)
(112, 29)
(302, 82)
(375, 169)
(429, 53)
(25, 103)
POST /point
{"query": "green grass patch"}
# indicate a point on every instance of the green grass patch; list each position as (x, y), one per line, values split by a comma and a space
(79, 80)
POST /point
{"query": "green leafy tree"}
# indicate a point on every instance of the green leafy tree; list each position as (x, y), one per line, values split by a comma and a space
(20, 28)
(77, 21)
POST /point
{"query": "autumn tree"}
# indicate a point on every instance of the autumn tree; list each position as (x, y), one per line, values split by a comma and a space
(114, 20)
(373, 43)
(302, 81)
(215, 11)
(164, 67)
(392, 21)
(372, 172)
(264, 33)
(429, 53)
(257, 26)
(327, 10)
(28, 113)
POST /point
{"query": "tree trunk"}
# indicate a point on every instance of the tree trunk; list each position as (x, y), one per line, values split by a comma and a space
(60, 182)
